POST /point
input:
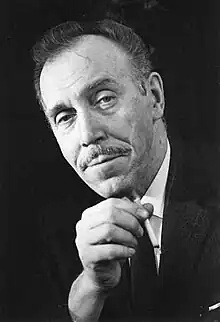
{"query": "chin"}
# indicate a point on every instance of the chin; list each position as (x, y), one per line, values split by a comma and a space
(112, 188)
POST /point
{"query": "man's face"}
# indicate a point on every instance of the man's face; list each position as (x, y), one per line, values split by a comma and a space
(103, 123)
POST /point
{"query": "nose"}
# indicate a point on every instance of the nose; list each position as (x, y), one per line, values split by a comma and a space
(91, 128)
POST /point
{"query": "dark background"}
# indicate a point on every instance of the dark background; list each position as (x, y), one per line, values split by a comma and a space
(34, 175)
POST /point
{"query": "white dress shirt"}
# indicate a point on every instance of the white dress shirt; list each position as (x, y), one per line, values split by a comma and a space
(156, 193)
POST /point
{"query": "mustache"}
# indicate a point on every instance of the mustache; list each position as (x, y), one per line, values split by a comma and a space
(98, 150)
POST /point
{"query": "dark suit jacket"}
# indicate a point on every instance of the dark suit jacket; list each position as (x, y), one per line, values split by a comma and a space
(189, 278)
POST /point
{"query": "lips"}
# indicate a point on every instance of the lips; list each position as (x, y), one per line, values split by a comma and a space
(101, 155)
(102, 159)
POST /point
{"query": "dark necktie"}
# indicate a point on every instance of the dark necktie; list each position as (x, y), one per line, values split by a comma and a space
(144, 278)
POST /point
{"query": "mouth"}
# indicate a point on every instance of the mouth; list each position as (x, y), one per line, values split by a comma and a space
(100, 156)
(101, 159)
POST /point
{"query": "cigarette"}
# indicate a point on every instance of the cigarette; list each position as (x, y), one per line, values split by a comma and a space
(151, 234)
(148, 227)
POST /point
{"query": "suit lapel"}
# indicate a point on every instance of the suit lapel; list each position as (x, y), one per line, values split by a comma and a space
(186, 227)
(185, 222)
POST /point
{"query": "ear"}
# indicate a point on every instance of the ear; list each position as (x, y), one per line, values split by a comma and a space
(155, 88)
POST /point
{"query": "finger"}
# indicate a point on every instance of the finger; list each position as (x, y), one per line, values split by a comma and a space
(108, 252)
(118, 217)
(109, 233)
(150, 209)
(135, 209)
(147, 206)
(125, 204)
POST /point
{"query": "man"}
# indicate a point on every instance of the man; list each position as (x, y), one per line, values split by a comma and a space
(105, 106)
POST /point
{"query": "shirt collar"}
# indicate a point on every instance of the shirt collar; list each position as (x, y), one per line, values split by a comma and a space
(156, 192)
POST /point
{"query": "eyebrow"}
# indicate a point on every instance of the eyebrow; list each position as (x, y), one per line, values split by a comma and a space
(106, 81)
(56, 109)
(98, 83)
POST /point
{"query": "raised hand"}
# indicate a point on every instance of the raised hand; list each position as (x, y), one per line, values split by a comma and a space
(107, 234)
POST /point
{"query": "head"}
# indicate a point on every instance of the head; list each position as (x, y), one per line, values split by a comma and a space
(104, 103)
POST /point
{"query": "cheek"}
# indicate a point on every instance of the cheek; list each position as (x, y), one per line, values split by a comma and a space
(146, 132)
(141, 137)
(140, 129)
(69, 148)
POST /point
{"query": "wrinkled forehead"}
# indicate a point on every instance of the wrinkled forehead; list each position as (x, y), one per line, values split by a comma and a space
(91, 57)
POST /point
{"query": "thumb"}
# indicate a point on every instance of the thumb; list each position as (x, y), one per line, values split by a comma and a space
(150, 208)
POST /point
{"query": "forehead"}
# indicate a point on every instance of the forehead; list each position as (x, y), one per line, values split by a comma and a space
(93, 58)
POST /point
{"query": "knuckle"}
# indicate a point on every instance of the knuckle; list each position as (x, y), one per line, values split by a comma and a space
(78, 226)
(108, 232)
(111, 202)
(79, 244)
(111, 253)
(81, 235)
(85, 213)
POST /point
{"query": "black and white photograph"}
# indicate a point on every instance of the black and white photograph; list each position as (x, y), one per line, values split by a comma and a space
(110, 175)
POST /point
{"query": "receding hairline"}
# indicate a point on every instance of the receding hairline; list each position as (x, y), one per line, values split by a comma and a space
(75, 44)
(77, 41)
(65, 36)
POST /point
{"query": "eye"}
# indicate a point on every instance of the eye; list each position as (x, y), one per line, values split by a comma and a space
(65, 117)
(106, 99)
